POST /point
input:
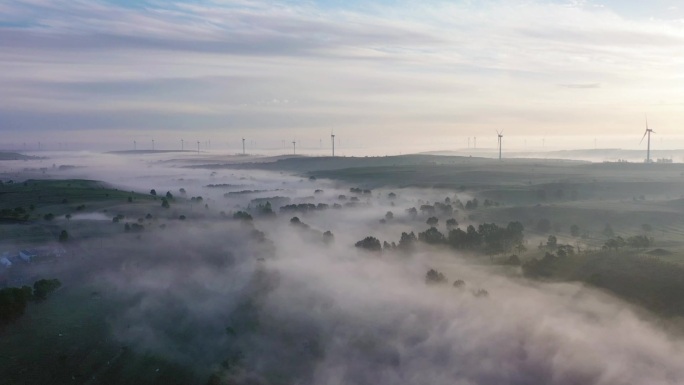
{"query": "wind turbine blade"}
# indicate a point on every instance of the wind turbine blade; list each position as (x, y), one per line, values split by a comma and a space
(642, 138)
(501, 133)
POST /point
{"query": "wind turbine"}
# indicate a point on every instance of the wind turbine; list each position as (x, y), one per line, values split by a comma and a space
(152, 144)
(648, 147)
(182, 144)
(500, 138)
(294, 147)
(135, 145)
(243, 146)
(332, 138)
(198, 146)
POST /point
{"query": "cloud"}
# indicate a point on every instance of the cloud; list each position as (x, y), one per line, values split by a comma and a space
(400, 62)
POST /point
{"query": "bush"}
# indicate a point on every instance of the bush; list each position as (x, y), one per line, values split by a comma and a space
(44, 287)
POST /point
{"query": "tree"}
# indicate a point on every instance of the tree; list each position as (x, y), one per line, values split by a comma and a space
(153, 192)
(328, 237)
(432, 236)
(433, 277)
(432, 221)
(13, 301)
(369, 243)
(458, 239)
(407, 241)
(243, 216)
(169, 196)
(520, 248)
(49, 216)
(43, 287)
(639, 241)
(551, 242)
(68, 217)
(389, 215)
(130, 199)
(63, 236)
(165, 203)
(451, 224)
(574, 230)
(412, 212)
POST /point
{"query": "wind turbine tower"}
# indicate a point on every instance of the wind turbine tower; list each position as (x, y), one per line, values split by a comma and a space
(294, 147)
(500, 134)
(182, 144)
(648, 147)
(332, 137)
(243, 146)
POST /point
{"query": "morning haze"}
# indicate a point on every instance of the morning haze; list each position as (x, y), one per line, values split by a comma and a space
(331, 192)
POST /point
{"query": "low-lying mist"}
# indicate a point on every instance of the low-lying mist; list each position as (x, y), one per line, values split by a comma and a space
(267, 301)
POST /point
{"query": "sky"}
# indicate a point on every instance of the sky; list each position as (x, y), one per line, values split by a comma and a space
(401, 74)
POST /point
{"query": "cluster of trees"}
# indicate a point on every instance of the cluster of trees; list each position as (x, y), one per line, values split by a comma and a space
(13, 215)
(13, 300)
(264, 210)
(243, 192)
(552, 246)
(369, 243)
(434, 277)
(635, 241)
(134, 227)
(304, 207)
(242, 216)
(327, 237)
(488, 237)
(356, 190)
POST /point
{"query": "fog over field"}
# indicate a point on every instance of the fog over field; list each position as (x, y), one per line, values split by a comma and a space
(332, 192)
(268, 301)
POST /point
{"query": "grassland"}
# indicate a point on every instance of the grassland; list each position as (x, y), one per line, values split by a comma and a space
(24, 206)
(66, 339)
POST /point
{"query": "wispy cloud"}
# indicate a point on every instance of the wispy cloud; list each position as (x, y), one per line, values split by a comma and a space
(397, 64)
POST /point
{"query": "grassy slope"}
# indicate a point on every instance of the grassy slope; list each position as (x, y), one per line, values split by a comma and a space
(49, 196)
(65, 339)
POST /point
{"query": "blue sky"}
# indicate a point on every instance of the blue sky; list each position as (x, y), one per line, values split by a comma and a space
(390, 71)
